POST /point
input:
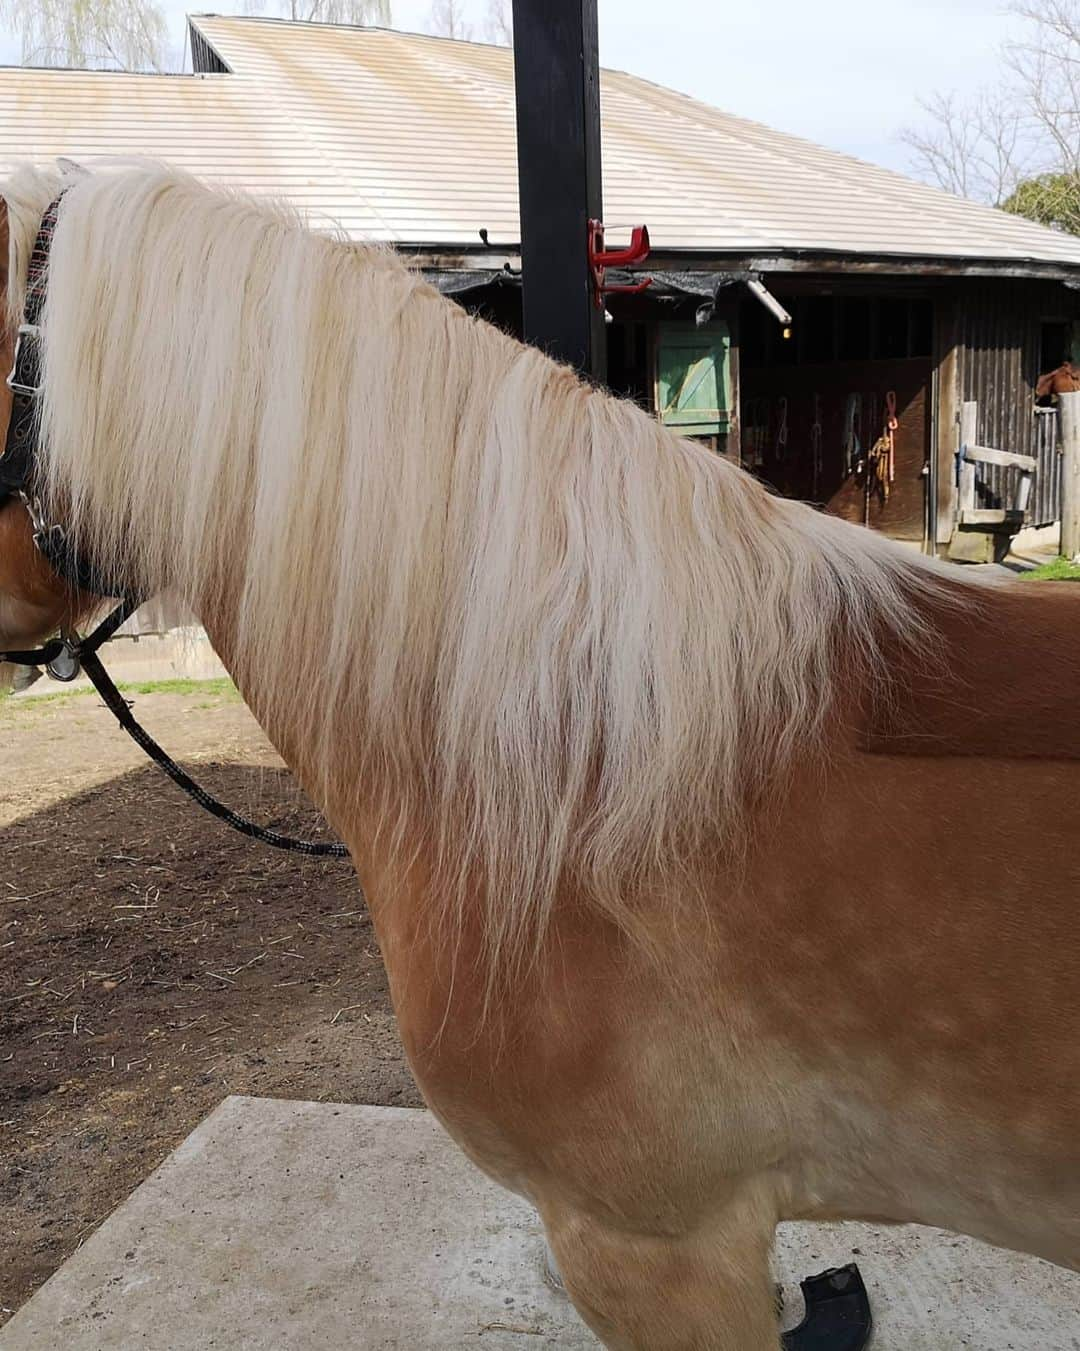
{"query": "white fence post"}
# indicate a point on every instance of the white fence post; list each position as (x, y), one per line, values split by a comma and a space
(1069, 422)
(969, 419)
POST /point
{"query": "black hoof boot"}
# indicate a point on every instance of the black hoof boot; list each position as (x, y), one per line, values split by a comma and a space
(837, 1313)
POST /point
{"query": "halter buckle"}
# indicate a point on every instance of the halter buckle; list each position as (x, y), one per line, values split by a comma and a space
(65, 666)
(32, 331)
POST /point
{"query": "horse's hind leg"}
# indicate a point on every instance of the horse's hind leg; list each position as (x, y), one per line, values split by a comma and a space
(709, 1290)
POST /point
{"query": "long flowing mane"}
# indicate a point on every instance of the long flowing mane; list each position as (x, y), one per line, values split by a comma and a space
(572, 642)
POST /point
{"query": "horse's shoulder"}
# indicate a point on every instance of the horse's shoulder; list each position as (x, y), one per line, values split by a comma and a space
(1000, 676)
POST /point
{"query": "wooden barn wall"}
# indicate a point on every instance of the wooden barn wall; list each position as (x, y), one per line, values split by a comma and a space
(1000, 338)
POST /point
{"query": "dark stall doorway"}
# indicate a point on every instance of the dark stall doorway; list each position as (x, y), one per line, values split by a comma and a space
(815, 407)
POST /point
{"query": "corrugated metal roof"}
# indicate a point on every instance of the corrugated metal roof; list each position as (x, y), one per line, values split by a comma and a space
(410, 139)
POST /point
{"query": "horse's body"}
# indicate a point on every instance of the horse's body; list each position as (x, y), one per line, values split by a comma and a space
(790, 925)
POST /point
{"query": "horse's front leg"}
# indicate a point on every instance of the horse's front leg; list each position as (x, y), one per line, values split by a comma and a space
(708, 1290)
(661, 1233)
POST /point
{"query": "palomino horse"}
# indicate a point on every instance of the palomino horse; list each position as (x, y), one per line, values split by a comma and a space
(722, 855)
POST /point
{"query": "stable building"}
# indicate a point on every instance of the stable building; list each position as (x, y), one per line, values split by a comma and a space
(824, 322)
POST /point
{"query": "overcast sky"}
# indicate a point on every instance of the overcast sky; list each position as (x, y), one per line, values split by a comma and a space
(845, 73)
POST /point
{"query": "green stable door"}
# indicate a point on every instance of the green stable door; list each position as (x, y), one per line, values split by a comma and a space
(693, 378)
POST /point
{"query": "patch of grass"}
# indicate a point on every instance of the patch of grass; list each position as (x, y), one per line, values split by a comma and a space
(1060, 570)
(219, 688)
(9, 703)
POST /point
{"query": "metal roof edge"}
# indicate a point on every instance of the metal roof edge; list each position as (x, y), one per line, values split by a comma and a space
(156, 75)
(466, 256)
(840, 261)
(350, 27)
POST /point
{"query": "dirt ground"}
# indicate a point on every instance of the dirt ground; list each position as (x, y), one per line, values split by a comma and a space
(152, 961)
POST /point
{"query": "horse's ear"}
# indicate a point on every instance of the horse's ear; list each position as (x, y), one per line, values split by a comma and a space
(71, 168)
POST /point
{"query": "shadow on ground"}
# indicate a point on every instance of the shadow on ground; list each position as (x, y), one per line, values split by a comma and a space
(152, 962)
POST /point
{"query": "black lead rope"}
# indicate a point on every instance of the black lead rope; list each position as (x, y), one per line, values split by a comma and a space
(85, 653)
(117, 704)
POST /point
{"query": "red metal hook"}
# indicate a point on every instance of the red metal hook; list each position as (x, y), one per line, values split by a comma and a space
(600, 259)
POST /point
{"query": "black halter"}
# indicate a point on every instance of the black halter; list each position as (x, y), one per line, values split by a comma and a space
(18, 464)
(66, 654)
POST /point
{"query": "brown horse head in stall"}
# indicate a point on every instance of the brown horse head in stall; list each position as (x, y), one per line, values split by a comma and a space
(1065, 379)
(723, 856)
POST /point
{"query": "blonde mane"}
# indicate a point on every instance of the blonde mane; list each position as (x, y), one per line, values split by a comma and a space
(570, 641)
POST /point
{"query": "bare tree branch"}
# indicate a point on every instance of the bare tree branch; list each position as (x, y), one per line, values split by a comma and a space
(975, 148)
(1027, 125)
(447, 20)
(1045, 66)
(359, 12)
(499, 23)
(1060, 18)
(91, 34)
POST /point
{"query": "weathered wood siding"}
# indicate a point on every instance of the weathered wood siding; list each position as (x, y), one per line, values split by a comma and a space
(1000, 339)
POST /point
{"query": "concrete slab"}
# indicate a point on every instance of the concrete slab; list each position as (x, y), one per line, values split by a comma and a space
(289, 1226)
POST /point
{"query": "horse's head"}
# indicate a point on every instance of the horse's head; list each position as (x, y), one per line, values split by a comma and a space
(34, 601)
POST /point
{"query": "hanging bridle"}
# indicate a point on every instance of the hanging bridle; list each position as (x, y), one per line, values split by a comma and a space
(63, 656)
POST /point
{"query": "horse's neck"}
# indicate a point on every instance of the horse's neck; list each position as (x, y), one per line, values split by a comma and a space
(346, 795)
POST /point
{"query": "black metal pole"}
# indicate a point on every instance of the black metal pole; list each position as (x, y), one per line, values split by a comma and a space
(557, 75)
